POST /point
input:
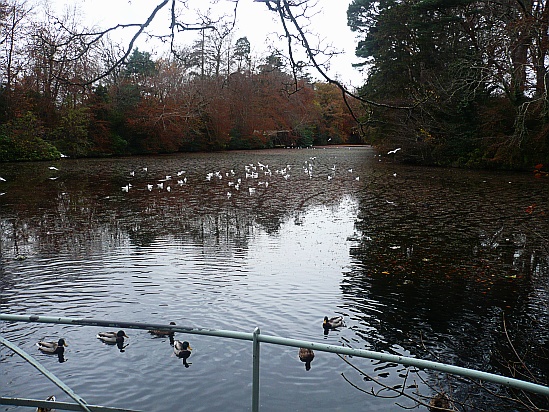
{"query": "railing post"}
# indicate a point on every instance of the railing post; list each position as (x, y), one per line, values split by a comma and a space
(255, 371)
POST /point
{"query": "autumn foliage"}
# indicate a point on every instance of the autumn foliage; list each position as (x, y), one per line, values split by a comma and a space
(207, 97)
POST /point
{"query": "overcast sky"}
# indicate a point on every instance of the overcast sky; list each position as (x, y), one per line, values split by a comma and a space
(254, 21)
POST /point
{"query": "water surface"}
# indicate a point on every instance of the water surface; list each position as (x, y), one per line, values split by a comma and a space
(420, 262)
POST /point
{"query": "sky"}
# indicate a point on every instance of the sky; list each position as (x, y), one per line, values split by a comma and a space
(254, 21)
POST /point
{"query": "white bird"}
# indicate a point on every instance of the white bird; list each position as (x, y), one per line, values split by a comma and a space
(160, 185)
(394, 151)
(126, 188)
(357, 178)
(169, 189)
(180, 172)
(394, 174)
(145, 169)
(149, 187)
(132, 173)
(53, 178)
(53, 168)
(2, 179)
(180, 182)
(229, 195)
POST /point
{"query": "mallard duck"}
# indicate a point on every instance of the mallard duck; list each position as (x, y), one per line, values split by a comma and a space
(40, 409)
(182, 350)
(112, 337)
(439, 402)
(57, 348)
(306, 355)
(161, 332)
(332, 323)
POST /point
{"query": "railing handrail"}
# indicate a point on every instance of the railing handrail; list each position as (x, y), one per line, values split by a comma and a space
(257, 337)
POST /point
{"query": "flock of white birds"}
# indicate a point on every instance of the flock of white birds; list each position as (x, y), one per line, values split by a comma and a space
(255, 174)
(258, 172)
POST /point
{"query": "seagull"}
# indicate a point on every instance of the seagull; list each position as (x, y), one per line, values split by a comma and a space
(53, 168)
(132, 173)
(169, 189)
(145, 169)
(160, 185)
(2, 179)
(394, 151)
(149, 187)
(126, 188)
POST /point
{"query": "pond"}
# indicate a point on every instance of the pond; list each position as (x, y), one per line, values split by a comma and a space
(448, 265)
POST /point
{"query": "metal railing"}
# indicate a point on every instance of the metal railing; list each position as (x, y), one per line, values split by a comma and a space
(256, 338)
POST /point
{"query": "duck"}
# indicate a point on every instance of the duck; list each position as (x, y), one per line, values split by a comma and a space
(306, 355)
(439, 402)
(332, 323)
(182, 350)
(57, 348)
(162, 332)
(112, 337)
(50, 398)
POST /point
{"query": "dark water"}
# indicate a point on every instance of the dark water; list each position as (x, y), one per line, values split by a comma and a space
(421, 262)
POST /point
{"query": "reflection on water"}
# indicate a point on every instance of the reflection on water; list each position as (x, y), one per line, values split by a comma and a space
(423, 262)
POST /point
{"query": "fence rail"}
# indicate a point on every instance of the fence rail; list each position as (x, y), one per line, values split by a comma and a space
(256, 337)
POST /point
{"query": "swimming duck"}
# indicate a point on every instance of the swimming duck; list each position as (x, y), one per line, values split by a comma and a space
(112, 337)
(439, 402)
(57, 348)
(40, 409)
(160, 332)
(182, 350)
(332, 323)
(306, 355)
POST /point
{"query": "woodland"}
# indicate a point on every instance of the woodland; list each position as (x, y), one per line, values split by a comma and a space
(449, 82)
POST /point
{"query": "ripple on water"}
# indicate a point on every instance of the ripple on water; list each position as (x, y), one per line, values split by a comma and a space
(421, 253)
